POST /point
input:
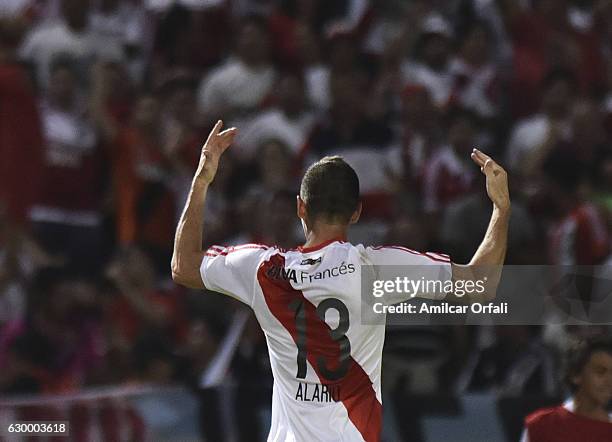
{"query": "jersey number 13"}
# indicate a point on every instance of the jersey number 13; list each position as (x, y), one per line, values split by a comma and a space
(338, 335)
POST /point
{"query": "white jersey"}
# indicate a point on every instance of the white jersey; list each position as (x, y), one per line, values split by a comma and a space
(326, 363)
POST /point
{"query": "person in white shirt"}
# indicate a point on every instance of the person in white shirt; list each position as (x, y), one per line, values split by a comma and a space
(289, 122)
(325, 359)
(121, 24)
(71, 35)
(240, 86)
(431, 67)
(474, 72)
(533, 137)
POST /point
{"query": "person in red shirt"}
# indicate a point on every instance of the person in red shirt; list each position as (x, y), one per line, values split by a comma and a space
(543, 38)
(585, 416)
(577, 233)
(21, 140)
(142, 177)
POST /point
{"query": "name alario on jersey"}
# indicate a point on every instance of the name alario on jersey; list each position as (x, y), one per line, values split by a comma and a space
(300, 276)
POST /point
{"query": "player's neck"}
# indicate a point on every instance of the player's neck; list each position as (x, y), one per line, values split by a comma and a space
(325, 233)
(585, 406)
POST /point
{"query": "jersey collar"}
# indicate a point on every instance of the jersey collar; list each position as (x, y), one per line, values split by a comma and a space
(319, 246)
(570, 406)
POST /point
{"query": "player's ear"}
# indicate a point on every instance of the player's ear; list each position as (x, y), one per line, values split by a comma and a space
(301, 208)
(356, 214)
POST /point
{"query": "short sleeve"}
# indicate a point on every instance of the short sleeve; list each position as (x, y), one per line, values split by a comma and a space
(427, 273)
(232, 270)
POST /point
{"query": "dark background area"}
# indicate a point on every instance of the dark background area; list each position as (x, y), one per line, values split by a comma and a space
(104, 106)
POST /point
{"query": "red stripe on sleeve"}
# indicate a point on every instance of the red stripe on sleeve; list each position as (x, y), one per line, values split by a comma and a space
(218, 251)
(433, 256)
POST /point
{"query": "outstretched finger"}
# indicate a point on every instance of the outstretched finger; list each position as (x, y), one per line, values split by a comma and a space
(227, 132)
(479, 161)
(215, 130)
(479, 158)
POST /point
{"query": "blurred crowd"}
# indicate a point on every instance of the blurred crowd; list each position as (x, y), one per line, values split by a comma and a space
(104, 106)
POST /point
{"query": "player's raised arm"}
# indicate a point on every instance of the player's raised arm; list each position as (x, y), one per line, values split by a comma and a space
(487, 262)
(187, 255)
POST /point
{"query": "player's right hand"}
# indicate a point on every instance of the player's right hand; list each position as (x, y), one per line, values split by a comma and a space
(212, 150)
(497, 179)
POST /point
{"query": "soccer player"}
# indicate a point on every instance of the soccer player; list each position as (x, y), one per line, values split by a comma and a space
(584, 417)
(325, 361)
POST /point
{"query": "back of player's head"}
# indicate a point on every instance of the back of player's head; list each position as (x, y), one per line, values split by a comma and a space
(330, 190)
(580, 353)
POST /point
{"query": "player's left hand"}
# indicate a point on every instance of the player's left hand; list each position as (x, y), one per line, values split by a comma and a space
(497, 179)
(212, 150)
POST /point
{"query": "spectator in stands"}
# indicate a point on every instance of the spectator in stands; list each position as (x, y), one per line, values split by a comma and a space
(448, 174)
(250, 367)
(577, 234)
(144, 198)
(585, 416)
(344, 17)
(183, 130)
(431, 66)
(181, 122)
(154, 360)
(110, 99)
(241, 85)
(534, 137)
(20, 258)
(546, 38)
(364, 142)
(347, 127)
(141, 304)
(339, 55)
(275, 166)
(189, 35)
(472, 211)
(121, 24)
(72, 35)
(20, 132)
(279, 226)
(62, 347)
(516, 363)
(497, 15)
(419, 138)
(475, 83)
(287, 21)
(589, 137)
(316, 72)
(289, 122)
(67, 216)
